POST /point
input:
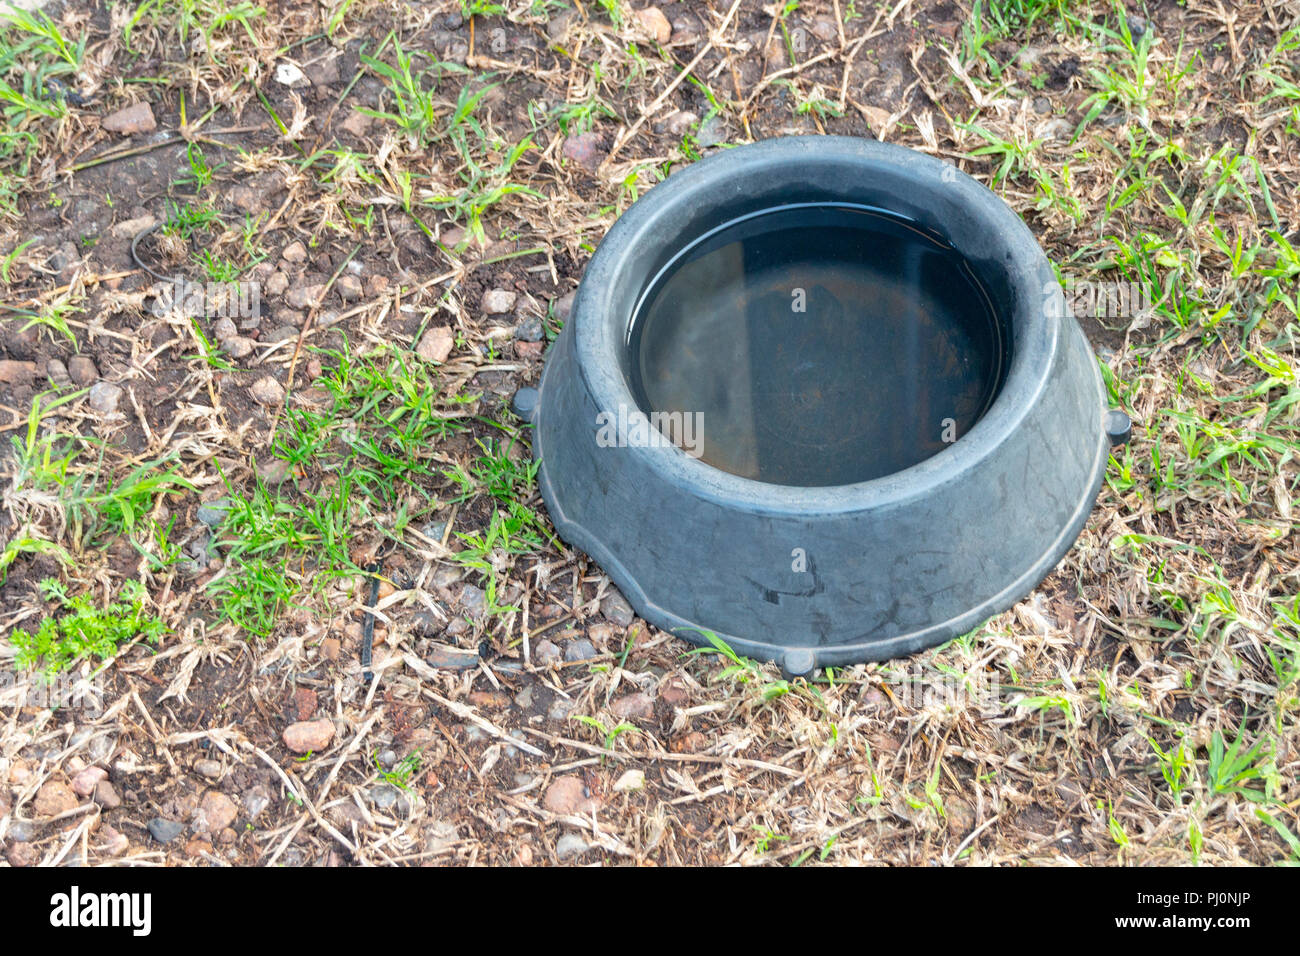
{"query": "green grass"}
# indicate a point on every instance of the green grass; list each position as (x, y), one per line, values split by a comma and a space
(36, 63)
(993, 20)
(608, 734)
(418, 109)
(186, 17)
(28, 544)
(55, 471)
(372, 453)
(415, 107)
(402, 772)
(740, 669)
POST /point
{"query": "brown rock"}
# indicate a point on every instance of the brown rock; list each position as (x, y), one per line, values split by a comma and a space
(450, 657)
(567, 795)
(436, 344)
(489, 699)
(633, 706)
(238, 346)
(564, 306)
(55, 798)
(106, 796)
(653, 22)
(349, 288)
(330, 648)
(308, 736)
(877, 118)
(16, 373)
(304, 702)
(22, 855)
(824, 29)
(217, 811)
(680, 123)
(323, 72)
(84, 783)
(104, 397)
(246, 198)
(267, 391)
(112, 843)
(304, 296)
(136, 118)
(529, 349)
(274, 472)
(82, 370)
(58, 373)
(295, 252)
(689, 743)
(130, 228)
(498, 301)
(357, 123)
(453, 237)
(585, 149)
(675, 694)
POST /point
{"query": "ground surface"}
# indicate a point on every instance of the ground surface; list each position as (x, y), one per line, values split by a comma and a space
(1140, 707)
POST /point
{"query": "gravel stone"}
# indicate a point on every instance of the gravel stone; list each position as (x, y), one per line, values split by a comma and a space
(164, 831)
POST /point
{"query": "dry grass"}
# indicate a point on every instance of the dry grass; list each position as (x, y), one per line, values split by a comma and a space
(1094, 724)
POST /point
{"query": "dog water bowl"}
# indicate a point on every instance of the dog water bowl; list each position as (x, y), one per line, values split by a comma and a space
(820, 397)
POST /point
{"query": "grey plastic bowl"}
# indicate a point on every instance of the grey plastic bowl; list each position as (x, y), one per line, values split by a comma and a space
(894, 564)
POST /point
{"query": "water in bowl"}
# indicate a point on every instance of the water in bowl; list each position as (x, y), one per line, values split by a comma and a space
(818, 345)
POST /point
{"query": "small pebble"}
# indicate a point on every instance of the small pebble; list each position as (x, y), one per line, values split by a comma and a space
(436, 344)
(256, 801)
(630, 781)
(530, 330)
(106, 796)
(136, 118)
(58, 373)
(568, 795)
(82, 370)
(217, 811)
(616, 608)
(85, 782)
(579, 650)
(213, 512)
(570, 845)
(238, 346)
(164, 831)
(309, 736)
(267, 391)
(498, 301)
(55, 798)
(104, 397)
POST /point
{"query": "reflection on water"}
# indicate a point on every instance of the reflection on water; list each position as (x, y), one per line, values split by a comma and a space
(822, 345)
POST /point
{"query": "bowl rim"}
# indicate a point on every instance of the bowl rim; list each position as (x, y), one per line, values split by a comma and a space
(600, 339)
